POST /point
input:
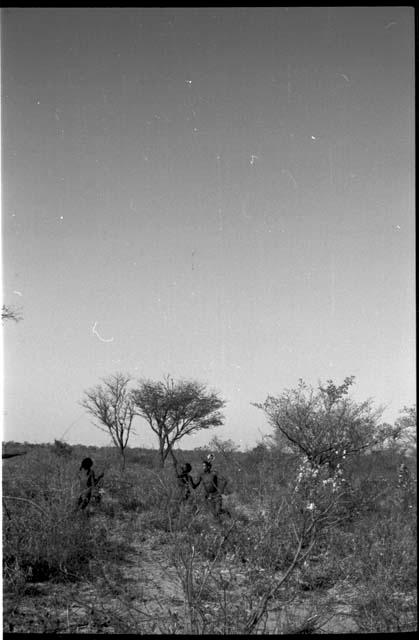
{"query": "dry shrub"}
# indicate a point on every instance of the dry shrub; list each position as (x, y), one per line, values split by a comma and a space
(45, 536)
(367, 543)
(384, 565)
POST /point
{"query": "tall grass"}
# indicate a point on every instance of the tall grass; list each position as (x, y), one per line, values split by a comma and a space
(45, 536)
(276, 562)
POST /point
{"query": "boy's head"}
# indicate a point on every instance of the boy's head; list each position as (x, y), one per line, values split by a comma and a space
(86, 464)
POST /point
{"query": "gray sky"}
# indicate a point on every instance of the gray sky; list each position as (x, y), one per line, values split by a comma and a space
(220, 194)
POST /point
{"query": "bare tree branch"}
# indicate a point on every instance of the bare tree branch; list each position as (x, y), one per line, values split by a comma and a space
(10, 313)
(111, 405)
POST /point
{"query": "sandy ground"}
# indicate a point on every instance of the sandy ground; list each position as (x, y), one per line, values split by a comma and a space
(144, 594)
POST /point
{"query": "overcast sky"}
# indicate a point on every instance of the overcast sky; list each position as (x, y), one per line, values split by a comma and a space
(225, 194)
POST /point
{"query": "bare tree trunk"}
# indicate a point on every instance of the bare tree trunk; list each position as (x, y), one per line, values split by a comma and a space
(170, 450)
(122, 450)
(161, 453)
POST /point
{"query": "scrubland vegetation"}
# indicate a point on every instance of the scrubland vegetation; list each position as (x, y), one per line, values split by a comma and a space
(302, 547)
(347, 563)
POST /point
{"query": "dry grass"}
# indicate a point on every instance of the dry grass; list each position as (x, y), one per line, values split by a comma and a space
(138, 563)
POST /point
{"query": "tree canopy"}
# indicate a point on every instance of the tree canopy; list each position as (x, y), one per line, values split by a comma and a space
(112, 406)
(324, 424)
(174, 409)
(405, 429)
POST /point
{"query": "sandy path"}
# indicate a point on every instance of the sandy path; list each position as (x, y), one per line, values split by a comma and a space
(142, 593)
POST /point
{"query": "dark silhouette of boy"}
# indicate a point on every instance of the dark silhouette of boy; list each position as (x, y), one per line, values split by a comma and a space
(88, 482)
(185, 481)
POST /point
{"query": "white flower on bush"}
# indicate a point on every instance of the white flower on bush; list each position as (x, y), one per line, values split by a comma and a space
(310, 506)
(225, 576)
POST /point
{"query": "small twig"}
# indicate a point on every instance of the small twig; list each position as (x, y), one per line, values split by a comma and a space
(261, 610)
(26, 500)
(209, 569)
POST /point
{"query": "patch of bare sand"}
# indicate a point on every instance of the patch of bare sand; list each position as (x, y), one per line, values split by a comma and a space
(142, 593)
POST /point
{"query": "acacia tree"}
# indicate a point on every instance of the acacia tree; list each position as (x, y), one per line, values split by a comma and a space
(111, 404)
(176, 409)
(324, 424)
